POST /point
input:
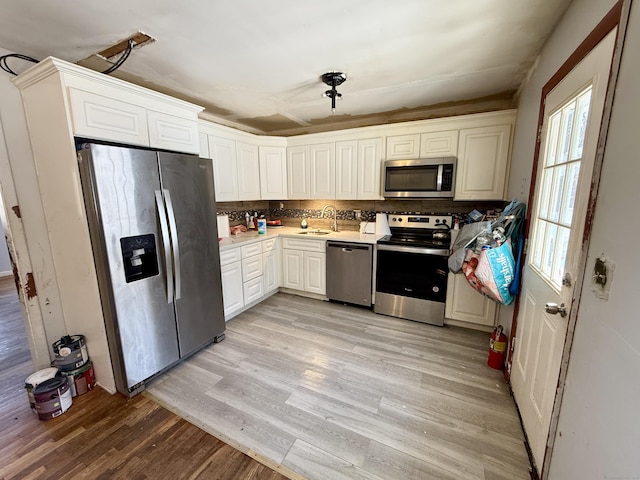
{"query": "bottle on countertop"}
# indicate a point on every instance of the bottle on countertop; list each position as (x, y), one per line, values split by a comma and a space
(247, 220)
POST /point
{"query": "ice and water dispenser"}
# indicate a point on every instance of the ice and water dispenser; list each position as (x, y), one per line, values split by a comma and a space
(139, 257)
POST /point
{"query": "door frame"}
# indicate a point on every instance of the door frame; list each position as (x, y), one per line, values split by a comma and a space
(616, 17)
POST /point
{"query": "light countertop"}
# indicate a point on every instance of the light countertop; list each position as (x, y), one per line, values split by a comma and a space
(252, 236)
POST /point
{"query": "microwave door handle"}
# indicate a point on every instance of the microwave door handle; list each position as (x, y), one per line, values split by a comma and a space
(439, 178)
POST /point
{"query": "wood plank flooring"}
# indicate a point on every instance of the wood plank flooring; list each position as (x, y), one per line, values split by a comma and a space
(329, 391)
(101, 436)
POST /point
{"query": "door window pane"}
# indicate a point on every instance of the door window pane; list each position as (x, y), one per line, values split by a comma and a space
(558, 187)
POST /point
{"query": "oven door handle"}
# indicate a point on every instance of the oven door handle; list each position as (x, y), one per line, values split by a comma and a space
(425, 251)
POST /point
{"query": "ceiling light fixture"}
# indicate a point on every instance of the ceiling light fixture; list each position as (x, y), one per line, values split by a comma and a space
(333, 79)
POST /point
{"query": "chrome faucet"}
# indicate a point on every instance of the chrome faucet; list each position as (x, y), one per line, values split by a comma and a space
(334, 225)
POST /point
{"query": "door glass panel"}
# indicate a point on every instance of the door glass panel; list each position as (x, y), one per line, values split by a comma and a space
(566, 131)
(552, 138)
(556, 192)
(560, 176)
(546, 187)
(584, 101)
(570, 194)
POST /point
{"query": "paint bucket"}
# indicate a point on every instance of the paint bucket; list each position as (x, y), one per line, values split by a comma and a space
(36, 379)
(81, 380)
(52, 397)
(70, 353)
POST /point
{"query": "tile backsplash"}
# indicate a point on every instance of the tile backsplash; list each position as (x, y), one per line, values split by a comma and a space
(291, 212)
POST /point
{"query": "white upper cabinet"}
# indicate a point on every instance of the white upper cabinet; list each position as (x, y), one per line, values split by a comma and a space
(299, 176)
(322, 167)
(439, 144)
(369, 169)
(403, 147)
(347, 170)
(225, 174)
(273, 173)
(483, 163)
(248, 168)
(172, 133)
(358, 166)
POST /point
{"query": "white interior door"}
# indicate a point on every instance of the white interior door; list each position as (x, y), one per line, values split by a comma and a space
(573, 113)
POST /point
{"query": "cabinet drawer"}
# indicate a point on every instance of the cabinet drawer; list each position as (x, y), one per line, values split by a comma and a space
(252, 267)
(306, 245)
(173, 133)
(251, 250)
(252, 290)
(229, 256)
(95, 116)
(268, 245)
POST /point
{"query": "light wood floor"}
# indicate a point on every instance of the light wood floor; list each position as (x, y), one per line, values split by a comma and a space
(336, 392)
(101, 436)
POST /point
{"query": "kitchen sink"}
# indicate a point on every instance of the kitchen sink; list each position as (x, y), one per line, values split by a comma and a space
(314, 232)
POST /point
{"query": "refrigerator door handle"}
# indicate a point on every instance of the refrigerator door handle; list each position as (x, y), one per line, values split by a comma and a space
(164, 234)
(174, 241)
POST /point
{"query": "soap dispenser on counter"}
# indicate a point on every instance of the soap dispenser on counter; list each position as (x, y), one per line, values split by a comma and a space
(303, 223)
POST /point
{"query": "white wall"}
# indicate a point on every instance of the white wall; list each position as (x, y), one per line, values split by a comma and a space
(579, 20)
(599, 427)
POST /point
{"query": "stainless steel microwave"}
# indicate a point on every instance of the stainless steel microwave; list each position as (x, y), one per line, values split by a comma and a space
(421, 178)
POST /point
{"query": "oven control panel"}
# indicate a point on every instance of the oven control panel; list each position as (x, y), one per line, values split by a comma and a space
(419, 221)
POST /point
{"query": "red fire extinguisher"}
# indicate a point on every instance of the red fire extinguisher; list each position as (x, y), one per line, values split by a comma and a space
(497, 348)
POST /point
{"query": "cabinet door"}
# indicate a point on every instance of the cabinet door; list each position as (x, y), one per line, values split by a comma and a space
(347, 170)
(225, 174)
(483, 163)
(273, 173)
(292, 267)
(315, 275)
(369, 169)
(439, 144)
(322, 167)
(248, 171)
(95, 116)
(298, 174)
(271, 277)
(466, 304)
(403, 147)
(169, 132)
(232, 288)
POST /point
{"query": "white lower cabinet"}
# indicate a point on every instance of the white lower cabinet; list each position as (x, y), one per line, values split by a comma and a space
(272, 272)
(304, 265)
(464, 304)
(232, 285)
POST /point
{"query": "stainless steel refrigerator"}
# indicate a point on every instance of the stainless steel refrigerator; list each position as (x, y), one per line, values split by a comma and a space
(152, 220)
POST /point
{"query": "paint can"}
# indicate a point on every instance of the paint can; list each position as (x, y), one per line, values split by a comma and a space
(36, 379)
(70, 353)
(52, 398)
(81, 380)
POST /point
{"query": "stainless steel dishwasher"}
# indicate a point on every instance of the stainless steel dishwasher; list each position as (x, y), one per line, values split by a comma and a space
(349, 272)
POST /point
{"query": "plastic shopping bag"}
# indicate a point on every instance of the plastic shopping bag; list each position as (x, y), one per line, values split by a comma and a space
(491, 272)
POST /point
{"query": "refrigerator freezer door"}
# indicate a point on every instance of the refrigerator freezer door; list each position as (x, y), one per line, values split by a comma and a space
(189, 182)
(137, 314)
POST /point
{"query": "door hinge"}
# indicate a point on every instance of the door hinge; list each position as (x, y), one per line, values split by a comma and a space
(539, 133)
(525, 247)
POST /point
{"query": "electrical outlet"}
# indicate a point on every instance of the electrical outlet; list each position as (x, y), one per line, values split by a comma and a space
(357, 214)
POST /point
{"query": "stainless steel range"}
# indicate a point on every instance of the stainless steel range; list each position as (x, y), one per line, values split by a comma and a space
(411, 273)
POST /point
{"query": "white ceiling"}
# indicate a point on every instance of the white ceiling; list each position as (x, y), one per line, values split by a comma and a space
(258, 62)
